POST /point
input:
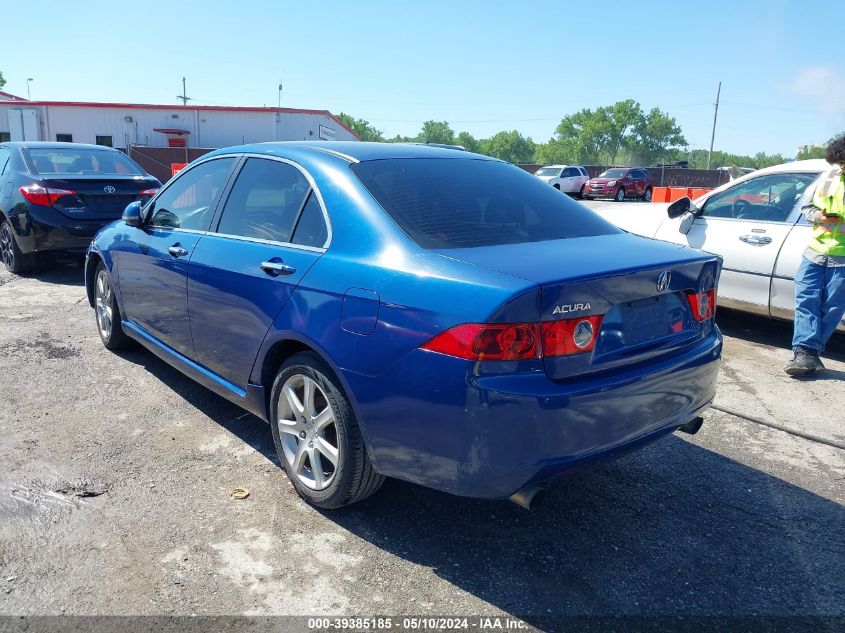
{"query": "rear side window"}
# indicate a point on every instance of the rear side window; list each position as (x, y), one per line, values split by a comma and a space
(5, 156)
(311, 229)
(265, 201)
(72, 161)
(455, 203)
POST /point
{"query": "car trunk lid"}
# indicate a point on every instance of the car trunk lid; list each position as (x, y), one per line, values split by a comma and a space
(97, 197)
(638, 286)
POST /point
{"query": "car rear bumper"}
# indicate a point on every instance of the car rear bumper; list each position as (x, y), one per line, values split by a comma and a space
(45, 229)
(439, 422)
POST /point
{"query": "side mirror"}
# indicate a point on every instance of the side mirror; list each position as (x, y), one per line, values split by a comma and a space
(679, 207)
(687, 221)
(132, 214)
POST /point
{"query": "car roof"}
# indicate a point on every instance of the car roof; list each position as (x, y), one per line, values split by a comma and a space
(50, 145)
(354, 151)
(811, 165)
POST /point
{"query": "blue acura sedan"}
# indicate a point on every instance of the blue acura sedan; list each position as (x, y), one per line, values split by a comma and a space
(413, 312)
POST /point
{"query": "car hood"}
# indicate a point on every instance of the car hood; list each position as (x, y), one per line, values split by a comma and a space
(545, 178)
(642, 219)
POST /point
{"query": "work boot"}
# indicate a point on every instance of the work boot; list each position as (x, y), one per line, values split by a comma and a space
(804, 361)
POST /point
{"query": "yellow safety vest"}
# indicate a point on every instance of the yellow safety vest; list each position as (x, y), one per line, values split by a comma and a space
(829, 239)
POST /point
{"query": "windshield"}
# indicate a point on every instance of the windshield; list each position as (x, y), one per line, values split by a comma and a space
(83, 161)
(548, 171)
(455, 203)
(613, 173)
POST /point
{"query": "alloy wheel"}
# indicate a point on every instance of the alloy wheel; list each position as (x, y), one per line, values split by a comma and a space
(7, 247)
(102, 303)
(308, 432)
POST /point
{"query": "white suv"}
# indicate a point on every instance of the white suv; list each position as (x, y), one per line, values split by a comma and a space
(568, 178)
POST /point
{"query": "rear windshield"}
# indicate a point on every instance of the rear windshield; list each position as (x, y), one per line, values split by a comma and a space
(613, 173)
(457, 203)
(83, 161)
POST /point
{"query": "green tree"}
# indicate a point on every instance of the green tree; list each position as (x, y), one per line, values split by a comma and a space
(510, 146)
(2, 80)
(656, 137)
(436, 132)
(468, 142)
(618, 123)
(580, 136)
(811, 152)
(363, 128)
(555, 152)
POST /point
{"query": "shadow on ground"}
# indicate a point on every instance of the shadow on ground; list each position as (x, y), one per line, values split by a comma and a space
(772, 332)
(672, 529)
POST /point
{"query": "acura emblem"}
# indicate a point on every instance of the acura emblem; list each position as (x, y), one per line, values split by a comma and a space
(109, 189)
(663, 280)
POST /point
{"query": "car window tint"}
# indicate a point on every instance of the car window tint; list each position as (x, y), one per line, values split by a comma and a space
(454, 203)
(311, 228)
(264, 201)
(768, 198)
(189, 202)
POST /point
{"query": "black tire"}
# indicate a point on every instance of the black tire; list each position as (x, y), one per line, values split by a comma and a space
(647, 194)
(620, 194)
(110, 330)
(556, 186)
(16, 261)
(352, 478)
(581, 192)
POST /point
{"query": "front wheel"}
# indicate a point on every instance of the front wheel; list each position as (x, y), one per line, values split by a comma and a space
(647, 195)
(317, 437)
(581, 192)
(620, 195)
(16, 261)
(107, 312)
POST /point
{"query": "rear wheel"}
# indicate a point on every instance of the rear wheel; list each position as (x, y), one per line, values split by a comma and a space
(107, 312)
(317, 437)
(647, 195)
(620, 194)
(15, 261)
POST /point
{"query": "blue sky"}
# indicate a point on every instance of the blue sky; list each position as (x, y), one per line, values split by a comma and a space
(482, 66)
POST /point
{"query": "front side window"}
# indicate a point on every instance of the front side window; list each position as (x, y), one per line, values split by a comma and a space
(5, 156)
(456, 203)
(265, 201)
(768, 198)
(189, 202)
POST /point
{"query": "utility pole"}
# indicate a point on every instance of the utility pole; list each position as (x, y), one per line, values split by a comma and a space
(28, 95)
(713, 135)
(184, 98)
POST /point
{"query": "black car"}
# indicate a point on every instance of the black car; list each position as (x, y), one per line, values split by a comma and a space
(56, 196)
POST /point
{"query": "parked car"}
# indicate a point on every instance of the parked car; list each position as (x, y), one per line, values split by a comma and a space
(756, 223)
(569, 179)
(621, 183)
(56, 196)
(412, 312)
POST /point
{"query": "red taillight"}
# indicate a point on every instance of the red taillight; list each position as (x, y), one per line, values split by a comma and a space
(148, 192)
(703, 304)
(490, 341)
(570, 336)
(36, 194)
(517, 341)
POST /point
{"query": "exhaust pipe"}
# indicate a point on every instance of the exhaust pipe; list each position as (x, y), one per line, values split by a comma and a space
(693, 426)
(525, 496)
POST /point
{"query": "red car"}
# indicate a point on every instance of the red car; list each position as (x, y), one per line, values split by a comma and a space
(620, 183)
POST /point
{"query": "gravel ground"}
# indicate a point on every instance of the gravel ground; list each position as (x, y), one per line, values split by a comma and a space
(116, 472)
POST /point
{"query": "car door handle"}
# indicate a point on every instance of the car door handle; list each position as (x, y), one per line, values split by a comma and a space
(177, 250)
(275, 267)
(756, 240)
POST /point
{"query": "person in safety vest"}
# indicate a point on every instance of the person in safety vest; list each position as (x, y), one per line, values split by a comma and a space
(820, 280)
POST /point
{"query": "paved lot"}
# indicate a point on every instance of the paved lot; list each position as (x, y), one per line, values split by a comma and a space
(116, 471)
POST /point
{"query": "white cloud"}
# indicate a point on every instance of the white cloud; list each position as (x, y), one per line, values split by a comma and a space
(823, 87)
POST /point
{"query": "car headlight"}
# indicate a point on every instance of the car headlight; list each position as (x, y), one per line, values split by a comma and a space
(611, 183)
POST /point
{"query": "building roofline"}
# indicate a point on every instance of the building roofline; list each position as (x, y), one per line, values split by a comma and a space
(11, 97)
(189, 108)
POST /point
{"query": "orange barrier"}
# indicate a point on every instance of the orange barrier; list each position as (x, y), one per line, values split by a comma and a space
(670, 194)
(175, 168)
